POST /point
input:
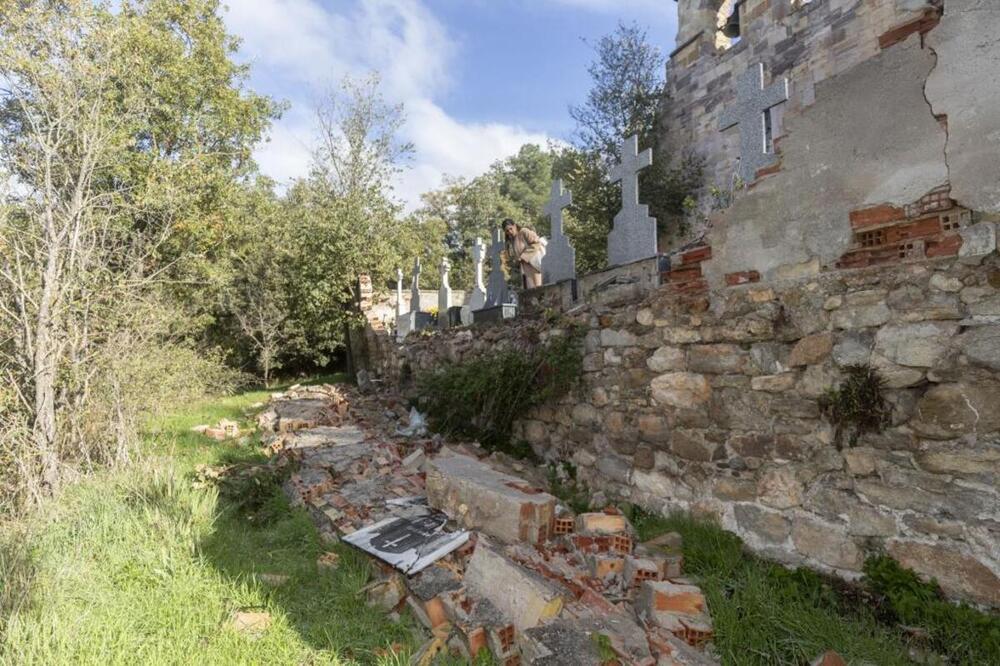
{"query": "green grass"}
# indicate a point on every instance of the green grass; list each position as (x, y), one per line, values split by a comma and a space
(766, 614)
(139, 566)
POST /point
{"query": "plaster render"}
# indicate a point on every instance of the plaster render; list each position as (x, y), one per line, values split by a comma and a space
(848, 150)
(965, 86)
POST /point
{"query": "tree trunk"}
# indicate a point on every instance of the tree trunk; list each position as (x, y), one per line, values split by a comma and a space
(44, 361)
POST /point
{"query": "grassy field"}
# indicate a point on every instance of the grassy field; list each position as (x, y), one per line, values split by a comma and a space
(138, 566)
(142, 566)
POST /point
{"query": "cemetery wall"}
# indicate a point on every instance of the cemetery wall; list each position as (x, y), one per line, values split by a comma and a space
(888, 101)
(709, 402)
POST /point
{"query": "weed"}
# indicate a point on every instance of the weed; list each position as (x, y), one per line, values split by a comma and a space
(857, 406)
(564, 485)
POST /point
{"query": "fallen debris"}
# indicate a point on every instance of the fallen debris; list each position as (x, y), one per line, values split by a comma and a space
(253, 624)
(523, 577)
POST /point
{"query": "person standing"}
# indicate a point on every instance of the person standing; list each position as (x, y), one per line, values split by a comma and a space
(528, 248)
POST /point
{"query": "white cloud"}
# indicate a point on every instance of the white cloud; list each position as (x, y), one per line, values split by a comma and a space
(299, 49)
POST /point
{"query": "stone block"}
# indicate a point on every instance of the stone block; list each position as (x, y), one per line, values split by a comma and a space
(918, 345)
(780, 488)
(770, 526)
(958, 574)
(774, 383)
(478, 497)
(827, 544)
(681, 389)
(667, 358)
(811, 349)
(861, 316)
(948, 411)
(716, 359)
(978, 240)
(981, 346)
(522, 596)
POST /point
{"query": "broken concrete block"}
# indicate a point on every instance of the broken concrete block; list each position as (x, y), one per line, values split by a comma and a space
(387, 594)
(415, 460)
(681, 609)
(559, 643)
(601, 524)
(478, 497)
(602, 566)
(638, 570)
(672, 651)
(521, 595)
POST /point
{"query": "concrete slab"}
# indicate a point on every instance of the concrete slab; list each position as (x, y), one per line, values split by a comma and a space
(478, 497)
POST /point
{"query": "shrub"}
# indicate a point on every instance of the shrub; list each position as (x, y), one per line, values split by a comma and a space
(483, 397)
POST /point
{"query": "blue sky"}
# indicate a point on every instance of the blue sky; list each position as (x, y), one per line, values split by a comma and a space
(478, 78)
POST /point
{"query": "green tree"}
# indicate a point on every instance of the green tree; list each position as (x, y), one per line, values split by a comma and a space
(122, 127)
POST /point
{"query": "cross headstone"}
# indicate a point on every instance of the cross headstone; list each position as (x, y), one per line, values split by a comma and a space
(559, 262)
(478, 299)
(399, 292)
(496, 291)
(634, 234)
(444, 292)
(415, 287)
(752, 113)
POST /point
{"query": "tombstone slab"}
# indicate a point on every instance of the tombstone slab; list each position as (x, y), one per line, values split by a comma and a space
(753, 101)
(634, 234)
(478, 299)
(496, 291)
(559, 262)
(415, 287)
(494, 314)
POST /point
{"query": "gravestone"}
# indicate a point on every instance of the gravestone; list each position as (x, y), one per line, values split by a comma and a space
(559, 262)
(444, 295)
(399, 292)
(752, 112)
(478, 299)
(497, 308)
(496, 291)
(415, 287)
(634, 234)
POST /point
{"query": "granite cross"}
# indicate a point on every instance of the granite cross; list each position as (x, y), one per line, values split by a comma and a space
(399, 292)
(444, 292)
(752, 113)
(478, 299)
(634, 234)
(415, 287)
(496, 292)
(559, 262)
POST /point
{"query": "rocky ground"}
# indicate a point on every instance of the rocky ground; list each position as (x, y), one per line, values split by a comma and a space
(534, 583)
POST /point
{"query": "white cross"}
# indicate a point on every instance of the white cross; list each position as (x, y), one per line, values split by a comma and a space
(560, 199)
(627, 171)
(415, 287)
(399, 292)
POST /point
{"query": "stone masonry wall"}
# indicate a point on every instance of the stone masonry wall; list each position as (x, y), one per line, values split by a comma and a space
(708, 403)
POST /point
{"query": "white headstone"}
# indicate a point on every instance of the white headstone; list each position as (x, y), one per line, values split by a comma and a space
(415, 287)
(496, 291)
(559, 262)
(444, 291)
(634, 234)
(399, 292)
(753, 101)
(478, 299)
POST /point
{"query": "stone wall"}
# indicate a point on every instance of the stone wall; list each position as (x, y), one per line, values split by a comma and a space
(708, 402)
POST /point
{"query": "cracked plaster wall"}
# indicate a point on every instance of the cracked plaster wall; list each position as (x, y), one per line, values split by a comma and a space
(965, 86)
(870, 138)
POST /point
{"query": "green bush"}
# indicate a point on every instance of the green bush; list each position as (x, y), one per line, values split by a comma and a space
(964, 634)
(483, 397)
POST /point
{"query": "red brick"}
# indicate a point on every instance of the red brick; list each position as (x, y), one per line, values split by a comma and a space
(923, 25)
(742, 277)
(696, 255)
(768, 171)
(883, 214)
(685, 274)
(947, 246)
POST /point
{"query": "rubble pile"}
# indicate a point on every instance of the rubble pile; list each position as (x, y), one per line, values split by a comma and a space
(481, 557)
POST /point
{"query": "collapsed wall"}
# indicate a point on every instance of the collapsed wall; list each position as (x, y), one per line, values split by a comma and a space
(710, 403)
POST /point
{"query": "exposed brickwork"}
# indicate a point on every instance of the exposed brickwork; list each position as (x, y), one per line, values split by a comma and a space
(742, 277)
(922, 25)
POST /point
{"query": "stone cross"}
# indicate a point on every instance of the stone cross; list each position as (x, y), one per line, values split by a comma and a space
(415, 287)
(496, 292)
(478, 299)
(751, 113)
(444, 292)
(634, 234)
(399, 292)
(559, 262)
